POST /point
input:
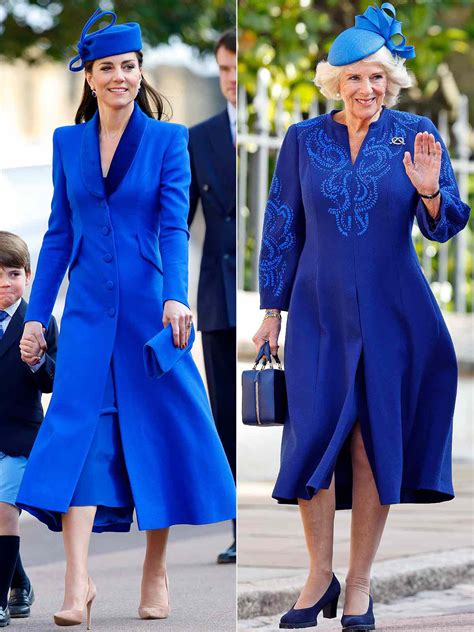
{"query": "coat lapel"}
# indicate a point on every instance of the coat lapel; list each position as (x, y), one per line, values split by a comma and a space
(220, 138)
(14, 329)
(126, 150)
(124, 154)
(90, 158)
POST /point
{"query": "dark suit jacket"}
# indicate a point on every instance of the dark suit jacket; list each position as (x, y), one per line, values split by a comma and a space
(213, 181)
(21, 412)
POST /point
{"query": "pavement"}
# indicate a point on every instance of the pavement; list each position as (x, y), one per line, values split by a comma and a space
(202, 593)
(424, 548)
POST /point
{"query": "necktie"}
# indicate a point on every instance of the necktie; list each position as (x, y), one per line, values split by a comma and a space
(3, 316)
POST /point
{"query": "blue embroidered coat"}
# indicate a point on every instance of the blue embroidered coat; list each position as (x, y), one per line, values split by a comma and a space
(365, 337)
(127, 253)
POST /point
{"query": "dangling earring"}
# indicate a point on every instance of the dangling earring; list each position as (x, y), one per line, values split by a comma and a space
(338, 96)
(94, 93)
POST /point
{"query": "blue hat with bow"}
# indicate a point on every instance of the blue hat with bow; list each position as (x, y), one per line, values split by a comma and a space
(372, 30)
(109, 40)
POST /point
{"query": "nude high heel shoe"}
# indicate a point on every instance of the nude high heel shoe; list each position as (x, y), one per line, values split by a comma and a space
(75, 617)
(156, 612)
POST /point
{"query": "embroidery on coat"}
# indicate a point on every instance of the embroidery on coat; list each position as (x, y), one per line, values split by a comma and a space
(278, 238)
(352, 203)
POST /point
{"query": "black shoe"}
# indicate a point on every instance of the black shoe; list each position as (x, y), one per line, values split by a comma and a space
(4, 617)
(20, 602)
(229, 556)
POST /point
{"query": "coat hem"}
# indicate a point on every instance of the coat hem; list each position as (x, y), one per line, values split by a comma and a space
(426, 494)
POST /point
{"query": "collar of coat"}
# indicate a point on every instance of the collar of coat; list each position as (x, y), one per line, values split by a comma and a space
(123, 157)
(14, 329)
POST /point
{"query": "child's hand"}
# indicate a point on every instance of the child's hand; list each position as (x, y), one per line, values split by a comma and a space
(30, 350)
(32, 344)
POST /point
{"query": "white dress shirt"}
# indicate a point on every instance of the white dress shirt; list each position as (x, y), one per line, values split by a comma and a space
(11, 312)
(231, 111)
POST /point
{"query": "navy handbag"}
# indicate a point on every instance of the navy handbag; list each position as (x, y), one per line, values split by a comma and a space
(264, 401)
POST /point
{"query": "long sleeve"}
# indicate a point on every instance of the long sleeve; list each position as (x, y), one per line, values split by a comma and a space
(174, 234)
(453, 212)
(44, 377)
(283, 229)
(55, 250)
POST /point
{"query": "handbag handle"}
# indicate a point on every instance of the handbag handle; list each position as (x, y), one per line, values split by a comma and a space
(265, 355)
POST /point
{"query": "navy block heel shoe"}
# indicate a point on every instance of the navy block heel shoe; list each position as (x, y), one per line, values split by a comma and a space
(308, 617)
(359, 622)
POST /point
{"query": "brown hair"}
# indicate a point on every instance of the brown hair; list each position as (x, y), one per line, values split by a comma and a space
(14, 252)
(150, 101)
(228, 40)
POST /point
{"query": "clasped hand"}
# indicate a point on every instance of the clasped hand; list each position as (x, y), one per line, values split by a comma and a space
(33, 344)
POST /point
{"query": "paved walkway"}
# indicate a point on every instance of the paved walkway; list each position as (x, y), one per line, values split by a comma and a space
(449, 610)
(424, 546)
(202, 593)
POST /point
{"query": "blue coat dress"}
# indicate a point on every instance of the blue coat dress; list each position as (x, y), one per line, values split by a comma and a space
(365, 337)
(126, 246)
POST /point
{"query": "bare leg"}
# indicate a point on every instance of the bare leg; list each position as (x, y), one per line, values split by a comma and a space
(77, 528)
(317, 516)
(153, 589)
(9, 522)
(368, 522)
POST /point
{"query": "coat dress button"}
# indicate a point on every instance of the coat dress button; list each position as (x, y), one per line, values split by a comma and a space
(205, 187)
(105, 230)
(226, 256)
(112, 311)
(109, 285)
(107, 258)
(228, 218)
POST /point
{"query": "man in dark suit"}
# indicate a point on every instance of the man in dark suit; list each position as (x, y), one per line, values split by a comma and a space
(213, 165)
(21, 414)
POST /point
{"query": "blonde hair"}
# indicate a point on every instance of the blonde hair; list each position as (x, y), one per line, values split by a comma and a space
(327, 76)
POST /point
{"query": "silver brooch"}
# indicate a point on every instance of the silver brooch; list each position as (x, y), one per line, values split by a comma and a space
(397, 140)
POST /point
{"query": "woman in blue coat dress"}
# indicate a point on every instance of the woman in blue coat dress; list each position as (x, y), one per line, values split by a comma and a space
(370, 366)
(115, 438)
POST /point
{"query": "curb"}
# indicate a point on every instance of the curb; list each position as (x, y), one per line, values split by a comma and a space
(391, 580)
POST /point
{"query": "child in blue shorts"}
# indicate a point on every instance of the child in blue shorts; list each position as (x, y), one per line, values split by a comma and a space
(22, 381)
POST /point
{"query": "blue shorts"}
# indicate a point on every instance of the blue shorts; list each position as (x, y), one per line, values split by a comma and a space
(11, 474)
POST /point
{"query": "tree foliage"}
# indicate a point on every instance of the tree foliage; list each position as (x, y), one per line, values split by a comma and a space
(37, 29)
(289, 37)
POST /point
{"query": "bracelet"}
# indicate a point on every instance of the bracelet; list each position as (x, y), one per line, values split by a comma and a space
(429, 197)
(272, 313)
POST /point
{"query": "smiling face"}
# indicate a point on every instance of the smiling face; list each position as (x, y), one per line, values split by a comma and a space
(362, 87)
(12, 285)
(115, 79)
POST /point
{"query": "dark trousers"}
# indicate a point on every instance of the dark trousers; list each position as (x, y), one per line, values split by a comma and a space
(220, 362)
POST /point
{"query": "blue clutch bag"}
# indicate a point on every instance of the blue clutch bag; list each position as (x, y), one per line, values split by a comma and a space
(160, 354)
(264, 400)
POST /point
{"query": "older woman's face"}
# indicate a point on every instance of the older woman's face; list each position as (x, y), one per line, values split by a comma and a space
(362, 87)
(115, 79)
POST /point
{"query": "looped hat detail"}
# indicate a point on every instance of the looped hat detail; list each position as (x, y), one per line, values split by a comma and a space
(109, 40)
(375, 28)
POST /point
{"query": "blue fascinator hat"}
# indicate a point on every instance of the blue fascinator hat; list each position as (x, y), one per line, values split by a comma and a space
(109, 40)
(372, 30)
